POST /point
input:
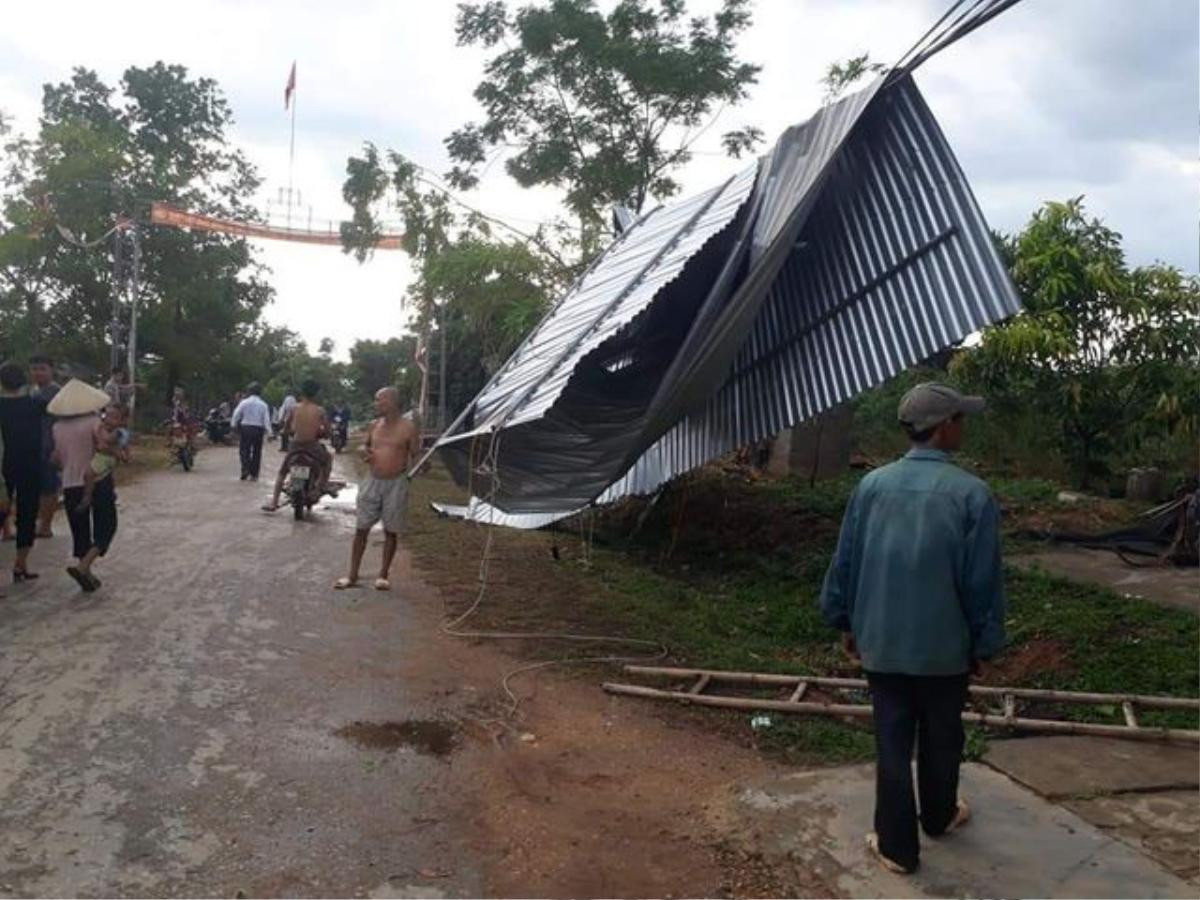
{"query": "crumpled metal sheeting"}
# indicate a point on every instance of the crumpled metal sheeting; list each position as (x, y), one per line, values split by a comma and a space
(483, 512)
(536, 375)
(865, 253)
(894, 263)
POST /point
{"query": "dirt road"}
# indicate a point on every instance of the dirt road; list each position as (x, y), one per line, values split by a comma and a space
(217, 720)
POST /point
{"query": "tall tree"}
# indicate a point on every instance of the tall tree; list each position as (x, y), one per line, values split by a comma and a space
(476, 292)
(605, 107)
(100, 155)
(1111, 355)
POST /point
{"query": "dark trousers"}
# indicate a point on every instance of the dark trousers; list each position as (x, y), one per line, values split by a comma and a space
(250, 441)
(927, 709)
(95, 526)
(25, 488)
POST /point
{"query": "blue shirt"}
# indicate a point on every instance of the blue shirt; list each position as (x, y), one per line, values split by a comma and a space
(917, 575)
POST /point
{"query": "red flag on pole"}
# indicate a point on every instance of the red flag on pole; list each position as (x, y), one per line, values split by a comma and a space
(291, 87)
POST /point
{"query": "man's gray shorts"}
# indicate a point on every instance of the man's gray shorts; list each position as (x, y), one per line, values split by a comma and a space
(383, 499)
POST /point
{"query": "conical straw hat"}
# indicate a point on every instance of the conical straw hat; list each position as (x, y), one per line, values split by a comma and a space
(77, 398)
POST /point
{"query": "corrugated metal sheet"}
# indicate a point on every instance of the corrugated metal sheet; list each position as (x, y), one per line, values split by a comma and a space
(862, 252)
(644, 259)
(895, 263)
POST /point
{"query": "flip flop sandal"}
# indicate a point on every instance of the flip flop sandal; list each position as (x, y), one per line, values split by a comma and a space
(269, 508)
(887, 862)
(81, 578)
(382, 584)
(345, 584)
(20, 575)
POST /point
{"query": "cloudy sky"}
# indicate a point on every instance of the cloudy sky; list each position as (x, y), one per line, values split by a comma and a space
(1055, 98)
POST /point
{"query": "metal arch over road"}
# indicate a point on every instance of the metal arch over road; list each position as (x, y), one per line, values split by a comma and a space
(173, 216)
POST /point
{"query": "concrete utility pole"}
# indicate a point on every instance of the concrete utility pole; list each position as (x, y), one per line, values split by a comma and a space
(115, 324)
(441, 426)
(135, 284)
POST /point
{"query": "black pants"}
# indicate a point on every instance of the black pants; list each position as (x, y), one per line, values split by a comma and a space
(250, 441)
(25, 489)
(97, 525)
(927, 708)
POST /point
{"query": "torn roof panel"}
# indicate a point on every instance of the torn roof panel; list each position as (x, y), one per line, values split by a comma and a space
(623, 282)
(857, 251)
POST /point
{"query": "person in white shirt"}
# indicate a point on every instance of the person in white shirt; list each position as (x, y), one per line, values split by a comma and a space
(252, 421)
(285, 422)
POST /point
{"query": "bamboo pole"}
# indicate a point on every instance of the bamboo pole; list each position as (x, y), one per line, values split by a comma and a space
(864, 712)
(768, 679)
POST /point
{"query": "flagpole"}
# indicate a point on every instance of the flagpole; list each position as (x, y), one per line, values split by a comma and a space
(291, 153)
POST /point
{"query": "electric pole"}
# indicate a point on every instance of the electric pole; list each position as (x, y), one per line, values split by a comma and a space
(134, 287)
(115, 324)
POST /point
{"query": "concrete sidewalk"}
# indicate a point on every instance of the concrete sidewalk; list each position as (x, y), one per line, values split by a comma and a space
(1017, 844)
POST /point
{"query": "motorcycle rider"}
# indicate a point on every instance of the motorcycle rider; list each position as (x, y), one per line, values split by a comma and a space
(306, 425)
(341, 424)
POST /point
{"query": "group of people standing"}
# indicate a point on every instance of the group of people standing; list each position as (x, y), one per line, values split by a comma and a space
(59, 442)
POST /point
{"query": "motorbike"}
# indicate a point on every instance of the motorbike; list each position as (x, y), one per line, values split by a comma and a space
(217, 427)
(304, 486)
(181, 443)
(340, 434)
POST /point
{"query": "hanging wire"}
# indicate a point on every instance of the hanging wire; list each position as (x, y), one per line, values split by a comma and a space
(489, 467)
(947, 30)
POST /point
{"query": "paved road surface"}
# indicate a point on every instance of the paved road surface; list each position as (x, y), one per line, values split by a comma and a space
(217, 720)
(175, 731)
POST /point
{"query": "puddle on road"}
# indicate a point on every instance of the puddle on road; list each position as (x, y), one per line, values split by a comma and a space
(428, 736)
(345, 501)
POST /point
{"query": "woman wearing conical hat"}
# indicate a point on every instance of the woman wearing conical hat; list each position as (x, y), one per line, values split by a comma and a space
(93, 524)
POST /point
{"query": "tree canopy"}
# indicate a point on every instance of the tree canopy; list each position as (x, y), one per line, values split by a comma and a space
(605, 107)
(1109, 354)
(101, 155)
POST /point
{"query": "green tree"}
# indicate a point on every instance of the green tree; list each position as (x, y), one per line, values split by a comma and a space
(842, 75)
(484, 291)
(100, 155)
(377, 364)
(1110, 355)
(605, 107)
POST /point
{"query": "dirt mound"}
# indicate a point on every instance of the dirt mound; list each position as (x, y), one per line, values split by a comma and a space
(1023, 664)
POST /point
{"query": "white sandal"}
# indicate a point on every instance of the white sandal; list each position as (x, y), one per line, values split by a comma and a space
(382, 584)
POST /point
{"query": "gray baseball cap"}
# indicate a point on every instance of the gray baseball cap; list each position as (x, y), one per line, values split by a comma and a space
(930, 403)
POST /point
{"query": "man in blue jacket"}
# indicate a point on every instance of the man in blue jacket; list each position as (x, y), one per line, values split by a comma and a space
(916, 589)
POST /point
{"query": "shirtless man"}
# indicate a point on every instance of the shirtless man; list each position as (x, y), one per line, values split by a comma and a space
(306, 426)
(393, 444)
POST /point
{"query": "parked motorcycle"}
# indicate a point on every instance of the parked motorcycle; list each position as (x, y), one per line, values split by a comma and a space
(217, 427)
(304, 486)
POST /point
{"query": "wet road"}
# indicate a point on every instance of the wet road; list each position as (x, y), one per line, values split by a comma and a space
(191, 727)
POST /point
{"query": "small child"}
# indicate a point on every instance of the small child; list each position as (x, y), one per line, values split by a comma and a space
(112, 446)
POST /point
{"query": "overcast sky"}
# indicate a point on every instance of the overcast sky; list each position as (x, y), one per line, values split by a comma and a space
(1053, 99)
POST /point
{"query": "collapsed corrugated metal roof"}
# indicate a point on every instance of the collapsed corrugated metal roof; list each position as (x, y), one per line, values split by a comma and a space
(851, 251)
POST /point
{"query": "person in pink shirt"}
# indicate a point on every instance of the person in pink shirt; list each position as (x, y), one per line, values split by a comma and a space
(93, 519)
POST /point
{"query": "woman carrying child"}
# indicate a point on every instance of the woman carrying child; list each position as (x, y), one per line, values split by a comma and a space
(86, 448)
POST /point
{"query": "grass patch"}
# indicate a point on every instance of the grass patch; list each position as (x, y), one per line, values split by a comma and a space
(726, 570)
(799, 741)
